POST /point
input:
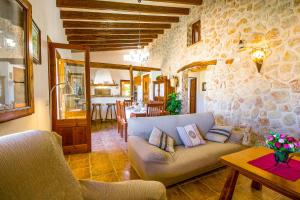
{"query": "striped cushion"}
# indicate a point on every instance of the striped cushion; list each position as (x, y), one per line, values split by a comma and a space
(161, 140)
(219, 134)
(190, 135)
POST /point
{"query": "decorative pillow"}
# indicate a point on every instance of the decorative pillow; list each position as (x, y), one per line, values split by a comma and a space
(219, 134)
(161, 140)
(190, 135)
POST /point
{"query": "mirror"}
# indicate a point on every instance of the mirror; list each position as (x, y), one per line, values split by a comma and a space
(15, 61)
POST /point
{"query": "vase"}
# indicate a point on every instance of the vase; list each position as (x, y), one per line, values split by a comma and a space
(281, 157)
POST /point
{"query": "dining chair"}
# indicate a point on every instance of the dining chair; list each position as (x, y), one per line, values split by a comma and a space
(128, 102)
(123, 121)
(118, 109)
(155, 109)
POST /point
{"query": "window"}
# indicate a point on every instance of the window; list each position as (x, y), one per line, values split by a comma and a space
(125, 88)
(194, 33)
(16, 92)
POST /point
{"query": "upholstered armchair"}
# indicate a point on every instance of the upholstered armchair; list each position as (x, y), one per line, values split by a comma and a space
(32, 166)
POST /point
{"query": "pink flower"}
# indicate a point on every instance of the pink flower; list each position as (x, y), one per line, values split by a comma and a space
(297, 144)
(282, 136)
(290, 139)
(270, 138)
(277, 145)
(286, 146)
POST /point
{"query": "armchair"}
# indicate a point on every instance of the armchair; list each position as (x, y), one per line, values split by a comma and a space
(33, 167)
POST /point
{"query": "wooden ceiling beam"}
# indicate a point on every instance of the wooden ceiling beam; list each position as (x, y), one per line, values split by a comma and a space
(112, 32)
(189, 2)
(112, 66)
(114, 25)
(113, 49)
(106, 37)
(115, 45)
(118, 6)
(111, 42)
(78, 15)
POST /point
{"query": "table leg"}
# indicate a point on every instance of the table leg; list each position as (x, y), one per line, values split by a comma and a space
(229, 186)
(256, 185)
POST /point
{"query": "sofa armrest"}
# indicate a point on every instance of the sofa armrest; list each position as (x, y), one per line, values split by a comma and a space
(146, 151)
(127, 190)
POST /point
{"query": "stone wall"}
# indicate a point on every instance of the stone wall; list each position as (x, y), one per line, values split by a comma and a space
(237, 93)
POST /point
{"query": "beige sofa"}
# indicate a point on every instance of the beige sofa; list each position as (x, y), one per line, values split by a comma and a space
(32, 166)
(151, 163)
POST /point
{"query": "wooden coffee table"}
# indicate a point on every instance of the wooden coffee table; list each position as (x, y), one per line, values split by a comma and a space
(238, 163)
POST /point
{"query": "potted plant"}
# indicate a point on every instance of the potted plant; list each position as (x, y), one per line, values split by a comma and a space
(283, 145)
(174, 104)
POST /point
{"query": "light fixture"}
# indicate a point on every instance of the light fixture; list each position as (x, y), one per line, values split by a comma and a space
(62, 86)
(10, 42)
(258, 55)
(140, 55)
(174, 81)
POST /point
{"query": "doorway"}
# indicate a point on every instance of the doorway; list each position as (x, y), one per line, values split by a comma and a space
(70, 97)
(193, 95)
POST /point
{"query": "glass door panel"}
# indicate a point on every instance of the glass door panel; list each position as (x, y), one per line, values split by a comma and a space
(70, 96)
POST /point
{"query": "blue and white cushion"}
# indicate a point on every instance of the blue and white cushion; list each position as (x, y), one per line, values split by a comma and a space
(219, 134)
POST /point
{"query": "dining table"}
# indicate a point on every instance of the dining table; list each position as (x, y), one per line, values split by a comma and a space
(132, 112)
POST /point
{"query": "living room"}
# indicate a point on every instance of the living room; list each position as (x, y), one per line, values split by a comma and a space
(150, 99)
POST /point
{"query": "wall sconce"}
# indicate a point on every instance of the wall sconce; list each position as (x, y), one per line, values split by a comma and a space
(174, 81)
(258, 55)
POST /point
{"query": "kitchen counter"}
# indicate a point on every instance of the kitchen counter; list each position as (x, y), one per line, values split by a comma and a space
(107, 99)
(117, 96)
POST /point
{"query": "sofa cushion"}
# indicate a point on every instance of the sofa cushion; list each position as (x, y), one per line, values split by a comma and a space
(187, 163)
(142, 126)
(147, 152)
(219, 133)
(190, 135)
(161, 140)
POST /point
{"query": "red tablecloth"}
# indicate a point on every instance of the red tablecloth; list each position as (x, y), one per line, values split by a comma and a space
(289, 171)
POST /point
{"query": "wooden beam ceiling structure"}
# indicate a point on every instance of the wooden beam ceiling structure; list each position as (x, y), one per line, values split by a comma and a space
(75, 15)
(106, 25)
(118, 6)
(113, 66)
(190, 2)
(112, 32)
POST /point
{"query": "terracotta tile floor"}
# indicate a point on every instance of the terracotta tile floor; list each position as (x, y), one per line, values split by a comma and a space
(108, 162)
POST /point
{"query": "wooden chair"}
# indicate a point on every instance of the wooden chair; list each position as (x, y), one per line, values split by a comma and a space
(118, 109)
(123, 121)
(155, 109)
(128, 103)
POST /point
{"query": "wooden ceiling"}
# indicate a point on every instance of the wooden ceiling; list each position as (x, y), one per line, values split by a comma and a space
(107, 25)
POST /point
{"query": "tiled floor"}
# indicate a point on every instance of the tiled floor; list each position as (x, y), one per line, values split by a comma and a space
(108, 162)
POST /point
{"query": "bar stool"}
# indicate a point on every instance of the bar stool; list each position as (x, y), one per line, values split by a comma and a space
(110, 108)
(97, 110)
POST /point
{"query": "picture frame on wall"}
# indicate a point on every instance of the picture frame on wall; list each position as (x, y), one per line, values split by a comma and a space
(36, 43)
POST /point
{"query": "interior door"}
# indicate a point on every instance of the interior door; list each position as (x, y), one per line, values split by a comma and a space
(70, 96)
(146, 84)
(193, 95)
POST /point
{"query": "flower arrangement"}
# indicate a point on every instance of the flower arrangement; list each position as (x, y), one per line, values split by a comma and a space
(282, 142)
(283, 145)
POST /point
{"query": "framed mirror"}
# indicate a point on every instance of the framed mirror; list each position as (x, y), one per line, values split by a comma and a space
(16, 77)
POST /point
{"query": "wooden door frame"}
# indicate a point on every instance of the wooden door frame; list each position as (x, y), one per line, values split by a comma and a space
(147, 75)
(190, 79)
(52, 82)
